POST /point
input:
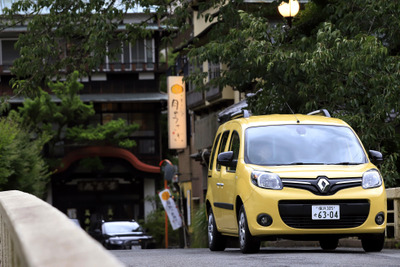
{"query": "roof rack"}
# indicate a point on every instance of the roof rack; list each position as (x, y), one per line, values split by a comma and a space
(320, 112)
(244, 113)
(233, 112)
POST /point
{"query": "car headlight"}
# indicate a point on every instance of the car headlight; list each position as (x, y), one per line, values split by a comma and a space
(267, 180)
(371, 179)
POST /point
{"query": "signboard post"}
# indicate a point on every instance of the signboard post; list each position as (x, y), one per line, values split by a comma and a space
(171, 209)
(168, 203)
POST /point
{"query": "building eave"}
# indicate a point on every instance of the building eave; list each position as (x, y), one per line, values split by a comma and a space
(106, 98)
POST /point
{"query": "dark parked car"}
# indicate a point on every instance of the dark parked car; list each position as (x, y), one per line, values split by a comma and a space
(122, 235)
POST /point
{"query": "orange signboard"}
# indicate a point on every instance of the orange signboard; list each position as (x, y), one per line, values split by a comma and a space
(176, 113)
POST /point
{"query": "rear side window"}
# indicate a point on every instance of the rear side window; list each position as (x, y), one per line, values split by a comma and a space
(222, 145)
(213, 151)
(234, 146)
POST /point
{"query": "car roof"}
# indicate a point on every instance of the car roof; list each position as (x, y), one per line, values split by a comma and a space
(279, 119)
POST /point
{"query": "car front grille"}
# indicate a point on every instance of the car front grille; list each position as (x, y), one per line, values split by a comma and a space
(297, 213)
(322, 185)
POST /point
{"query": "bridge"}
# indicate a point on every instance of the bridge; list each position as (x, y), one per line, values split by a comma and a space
(33, 233)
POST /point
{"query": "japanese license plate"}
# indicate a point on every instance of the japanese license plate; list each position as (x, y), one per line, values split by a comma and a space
(325, 212)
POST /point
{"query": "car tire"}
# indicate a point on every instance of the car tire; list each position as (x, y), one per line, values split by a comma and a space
(247, 243)
(105, 245)
(329, 243)
(216, 241)
(373, 242)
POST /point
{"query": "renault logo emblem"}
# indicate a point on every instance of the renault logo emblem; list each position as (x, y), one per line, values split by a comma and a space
(323, 185)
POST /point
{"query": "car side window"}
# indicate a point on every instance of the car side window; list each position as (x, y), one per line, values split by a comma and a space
(213, 152)
(222, 145)
(234, 146)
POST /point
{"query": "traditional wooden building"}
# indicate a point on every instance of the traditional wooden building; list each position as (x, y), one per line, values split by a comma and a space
(127, 88)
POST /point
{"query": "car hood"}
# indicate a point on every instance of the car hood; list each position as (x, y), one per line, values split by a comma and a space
(313, 171)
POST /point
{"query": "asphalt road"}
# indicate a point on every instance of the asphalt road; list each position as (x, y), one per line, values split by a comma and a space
(304, 256)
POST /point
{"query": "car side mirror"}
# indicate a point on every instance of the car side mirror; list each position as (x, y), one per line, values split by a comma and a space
(226, 159)
(206, 156)
(376, 156)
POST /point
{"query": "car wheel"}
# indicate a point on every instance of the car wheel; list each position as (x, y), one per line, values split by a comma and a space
(105, 245)
(373, 242)
(216, 241)
(329, 243)
(248, 243)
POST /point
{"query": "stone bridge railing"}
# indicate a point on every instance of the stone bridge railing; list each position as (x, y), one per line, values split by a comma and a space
(393, 220)
(33, 233)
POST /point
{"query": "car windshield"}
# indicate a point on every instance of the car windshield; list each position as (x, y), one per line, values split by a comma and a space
(121, 227)
(302, 144)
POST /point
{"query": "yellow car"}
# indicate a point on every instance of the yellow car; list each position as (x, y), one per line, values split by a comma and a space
(301, 177)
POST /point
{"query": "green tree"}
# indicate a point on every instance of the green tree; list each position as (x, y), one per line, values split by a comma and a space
(64, 117)
(22, 166)
(53, 114)
(340, 55)
(115, 132)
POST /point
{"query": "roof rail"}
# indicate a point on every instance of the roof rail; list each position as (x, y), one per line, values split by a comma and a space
(320, 112)
(231, 111)
(244, 113)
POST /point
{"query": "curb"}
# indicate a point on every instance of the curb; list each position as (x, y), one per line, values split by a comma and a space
(390, 243)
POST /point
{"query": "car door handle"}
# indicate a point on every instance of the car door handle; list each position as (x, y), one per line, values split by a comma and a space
(220, 184)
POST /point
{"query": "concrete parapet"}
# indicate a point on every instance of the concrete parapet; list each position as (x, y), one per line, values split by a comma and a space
(33, 233)
(393, 209)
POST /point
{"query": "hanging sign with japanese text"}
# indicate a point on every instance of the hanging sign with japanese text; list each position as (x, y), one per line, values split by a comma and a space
(176, 113)
(171, 209)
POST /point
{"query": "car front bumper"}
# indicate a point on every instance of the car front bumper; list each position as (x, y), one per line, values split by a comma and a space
(290, 210)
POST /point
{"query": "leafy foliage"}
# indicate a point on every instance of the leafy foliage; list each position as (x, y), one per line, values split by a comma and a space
(66, 118)
(200, 228)
(45, 114)
(155, 225)
(340, 55)
(21, 165)
(115, 132)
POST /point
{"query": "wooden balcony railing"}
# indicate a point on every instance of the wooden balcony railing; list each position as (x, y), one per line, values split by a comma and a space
(116, 67)
(133, 67)
(194, 99)
(213, 93)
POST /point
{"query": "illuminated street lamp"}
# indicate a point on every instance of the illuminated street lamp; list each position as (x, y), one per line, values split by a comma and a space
(289, 10)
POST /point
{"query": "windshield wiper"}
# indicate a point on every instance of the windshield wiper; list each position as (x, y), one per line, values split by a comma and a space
(345, 163)
(305, 163)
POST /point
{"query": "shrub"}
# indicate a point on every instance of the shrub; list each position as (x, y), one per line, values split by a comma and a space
(200, 228)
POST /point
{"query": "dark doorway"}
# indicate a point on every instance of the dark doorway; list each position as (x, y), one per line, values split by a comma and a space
(108, 189)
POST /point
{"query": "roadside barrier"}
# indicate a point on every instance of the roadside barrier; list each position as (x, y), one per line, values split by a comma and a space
(33, 233)
(393, 217)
